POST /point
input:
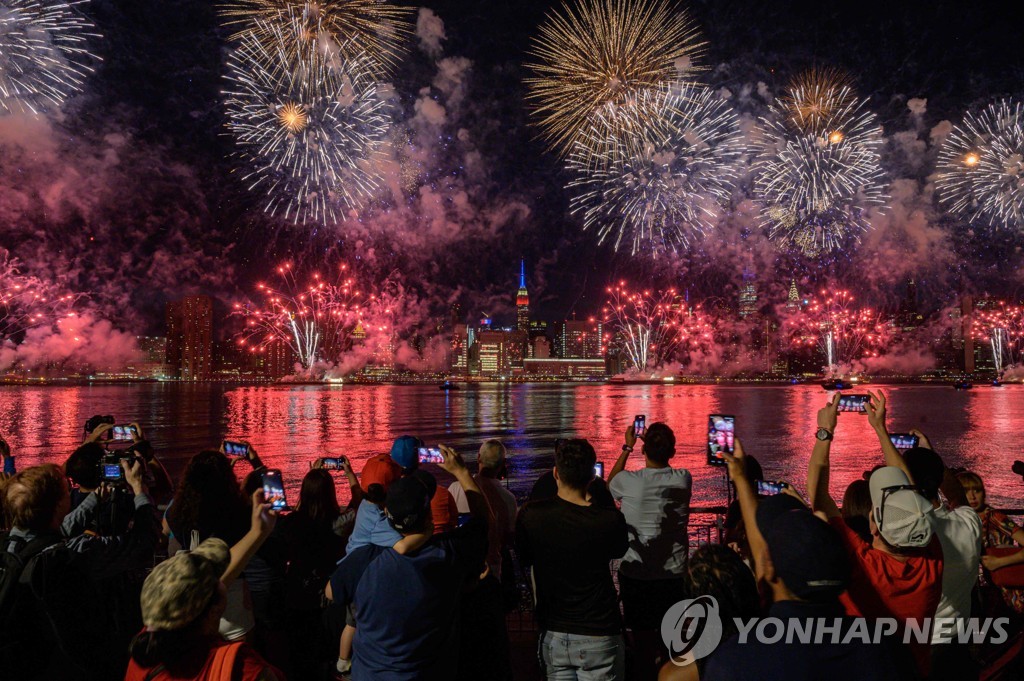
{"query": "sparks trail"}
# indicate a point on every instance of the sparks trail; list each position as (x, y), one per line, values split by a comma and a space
(594, 57)
(308, 123)
(28, 302)
(818, 167)
(44, 55)
(1001, 325)
(844, 332)
(981, 166)
(665, 176)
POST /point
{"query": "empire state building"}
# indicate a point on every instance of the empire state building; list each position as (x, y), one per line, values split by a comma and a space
(522, 301)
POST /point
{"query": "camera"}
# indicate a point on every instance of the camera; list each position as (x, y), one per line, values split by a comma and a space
(97, 421)
(110, 469)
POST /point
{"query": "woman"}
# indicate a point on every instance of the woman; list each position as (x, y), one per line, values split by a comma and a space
(996, 531)
(182, 603)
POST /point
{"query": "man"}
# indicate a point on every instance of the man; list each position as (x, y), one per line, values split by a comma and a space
(899, 574)
(569, 541)
(958, 528)
(490, 471)
(407, 597)
(46, 635)
(656, 504)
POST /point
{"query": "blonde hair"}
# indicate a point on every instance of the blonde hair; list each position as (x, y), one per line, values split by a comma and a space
(971, 481)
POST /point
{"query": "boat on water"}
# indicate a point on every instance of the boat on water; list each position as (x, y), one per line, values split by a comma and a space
(448, 385)
(963, 385)
(836, 384)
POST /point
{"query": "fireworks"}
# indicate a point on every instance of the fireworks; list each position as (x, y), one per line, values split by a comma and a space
(43, 54)
(28, 302)
(358, 30)
(594, 58)
(307, 122)
(818, 171)
(842, 331)
(649, 326)
(665, 179)
(316, 319)
(981, 166)
(1001, 325)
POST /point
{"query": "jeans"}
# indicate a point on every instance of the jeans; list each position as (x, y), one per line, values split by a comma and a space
(575, 657)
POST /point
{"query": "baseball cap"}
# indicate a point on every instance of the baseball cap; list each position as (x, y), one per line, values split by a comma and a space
(380, 470)
(408, 501)
(179, 589)
(806, 552)
(405, 451)
(904, 520)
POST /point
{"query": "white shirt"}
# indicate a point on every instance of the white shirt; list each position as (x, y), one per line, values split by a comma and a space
(656, 503)
(503, 506)
(959, 532)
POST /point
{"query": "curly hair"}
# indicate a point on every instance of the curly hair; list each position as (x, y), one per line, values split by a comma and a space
(209, 501)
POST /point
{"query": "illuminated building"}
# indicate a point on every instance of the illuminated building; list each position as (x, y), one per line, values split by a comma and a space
(497, 352)
(748, 296)
(190, 338)
(565, 368)
(522, 301)
(793, 299)
(579, 339)
(152, 363)
(462, 340)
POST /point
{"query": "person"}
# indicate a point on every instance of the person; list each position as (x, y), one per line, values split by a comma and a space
(998, 531)
(183, 600)
(717, 570)
(45, 633)
(735, 532)
(8, 468)
(407, 597)
(209, 503)
(803, 562)
(568, 542)
(314, 536)
(655, 501)
(898, 574)
(856, 508)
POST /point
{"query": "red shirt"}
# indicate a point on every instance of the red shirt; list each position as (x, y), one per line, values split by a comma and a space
(444, 511)
(882, 585)
(247, 666)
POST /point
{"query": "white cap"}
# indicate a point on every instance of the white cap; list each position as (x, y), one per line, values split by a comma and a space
(905, 517)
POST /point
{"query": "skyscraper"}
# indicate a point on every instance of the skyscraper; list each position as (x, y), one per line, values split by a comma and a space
(190, 338)
(522, 301)
(793, 299)
(748, 295)
(579, 339)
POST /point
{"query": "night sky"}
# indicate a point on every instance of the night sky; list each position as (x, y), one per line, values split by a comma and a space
(131, 194)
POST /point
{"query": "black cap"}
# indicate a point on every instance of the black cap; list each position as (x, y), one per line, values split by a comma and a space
(408, 501)
(806, 552)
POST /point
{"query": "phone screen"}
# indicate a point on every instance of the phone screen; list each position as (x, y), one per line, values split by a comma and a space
(112, 472)
(273, 490)
(857, 403)
(599, 470)
(122, 433)
(235, 448)
(903, 440)
(331, 464)
(769, 489)
(431, 455)
(640, 425)
(721, 438)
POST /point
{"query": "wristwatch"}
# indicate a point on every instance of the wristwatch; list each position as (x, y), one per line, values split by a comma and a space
(823, 434)
(627, 448)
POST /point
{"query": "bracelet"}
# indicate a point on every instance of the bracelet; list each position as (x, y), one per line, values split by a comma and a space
(627, 448)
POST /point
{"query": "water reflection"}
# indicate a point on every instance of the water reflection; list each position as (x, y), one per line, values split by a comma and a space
(291, 425)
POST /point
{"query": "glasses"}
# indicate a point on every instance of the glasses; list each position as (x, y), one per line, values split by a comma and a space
(886, 493)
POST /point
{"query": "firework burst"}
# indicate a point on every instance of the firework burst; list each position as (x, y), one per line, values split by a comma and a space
(44, 57)
(316, 319)
(649, 326)
(818, 167)
(28, 302)
(357, 30)
(593, 58)
(667, 178)
(308, 125)
(981, 166)
(1001, 326)
(843, 331)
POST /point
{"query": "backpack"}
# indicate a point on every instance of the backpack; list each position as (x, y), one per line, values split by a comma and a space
(50, 614)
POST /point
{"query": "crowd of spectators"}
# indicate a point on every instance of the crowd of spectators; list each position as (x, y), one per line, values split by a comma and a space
(110, 570)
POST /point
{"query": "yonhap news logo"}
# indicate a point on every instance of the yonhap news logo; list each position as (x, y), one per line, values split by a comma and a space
(692, 629)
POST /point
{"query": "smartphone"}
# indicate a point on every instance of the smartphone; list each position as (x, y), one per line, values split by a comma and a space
(857, 403)
(332, 463)
(599, 470)
(111, 472)
(770, 489)
(721, 438)
(273, 490)
(903, 440)
(640, 425)
(236, 448)
(431, 455)
(123, 433)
